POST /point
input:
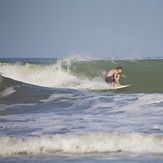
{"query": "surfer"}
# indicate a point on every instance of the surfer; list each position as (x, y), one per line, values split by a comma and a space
(112, 76)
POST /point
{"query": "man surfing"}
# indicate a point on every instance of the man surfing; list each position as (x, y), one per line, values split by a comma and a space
(112, 76)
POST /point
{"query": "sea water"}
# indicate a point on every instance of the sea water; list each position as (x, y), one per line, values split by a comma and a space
(59, 110)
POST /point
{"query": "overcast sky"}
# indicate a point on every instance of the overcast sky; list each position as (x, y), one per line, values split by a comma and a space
(100, 28)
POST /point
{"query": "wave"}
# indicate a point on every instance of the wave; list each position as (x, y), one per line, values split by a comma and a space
(58, 75)
(82, 144)
(86, 73)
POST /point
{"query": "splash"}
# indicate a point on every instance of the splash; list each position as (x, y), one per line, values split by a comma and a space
(58, 74)
(87, 73)
(88, 143)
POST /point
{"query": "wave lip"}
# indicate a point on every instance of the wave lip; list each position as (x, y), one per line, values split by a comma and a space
(81, 144)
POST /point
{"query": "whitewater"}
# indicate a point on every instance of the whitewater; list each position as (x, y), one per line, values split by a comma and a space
(61, 110)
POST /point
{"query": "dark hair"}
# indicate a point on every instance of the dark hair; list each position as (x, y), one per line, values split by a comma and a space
(119, 68)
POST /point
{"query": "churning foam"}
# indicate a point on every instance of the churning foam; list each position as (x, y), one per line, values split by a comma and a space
(89, 143)
(51, 75)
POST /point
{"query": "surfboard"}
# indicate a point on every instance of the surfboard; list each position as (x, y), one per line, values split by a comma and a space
(123, 86)
(109, 87)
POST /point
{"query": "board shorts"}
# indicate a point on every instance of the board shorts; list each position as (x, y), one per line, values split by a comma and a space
(110, 79)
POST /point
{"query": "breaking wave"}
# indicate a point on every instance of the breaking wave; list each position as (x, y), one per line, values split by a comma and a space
(86, 73)
(88, 143)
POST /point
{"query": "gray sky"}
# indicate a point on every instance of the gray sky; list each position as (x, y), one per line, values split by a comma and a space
(100, 28)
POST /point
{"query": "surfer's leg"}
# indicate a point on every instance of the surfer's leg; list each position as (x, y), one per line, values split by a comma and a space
(108, 80)
(116, 85)
(117, 81)
(113, 84)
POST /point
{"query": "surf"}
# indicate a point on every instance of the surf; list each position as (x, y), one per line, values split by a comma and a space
(85, 73)
(81, 144)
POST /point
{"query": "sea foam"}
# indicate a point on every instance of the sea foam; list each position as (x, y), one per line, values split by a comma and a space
(88, 143)
(56, 75)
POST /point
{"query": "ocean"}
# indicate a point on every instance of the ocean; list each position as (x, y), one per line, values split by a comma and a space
(61, 110)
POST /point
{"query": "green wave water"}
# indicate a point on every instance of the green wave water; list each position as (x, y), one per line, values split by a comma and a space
(144, 75)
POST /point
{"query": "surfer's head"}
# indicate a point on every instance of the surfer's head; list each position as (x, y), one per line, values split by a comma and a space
(120, 69)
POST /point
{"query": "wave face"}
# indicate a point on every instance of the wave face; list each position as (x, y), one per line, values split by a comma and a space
(144, 75)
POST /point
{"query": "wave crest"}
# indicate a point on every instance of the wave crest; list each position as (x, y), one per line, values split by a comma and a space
(89, 143)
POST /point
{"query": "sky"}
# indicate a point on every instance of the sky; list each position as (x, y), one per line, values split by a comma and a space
(99, 28)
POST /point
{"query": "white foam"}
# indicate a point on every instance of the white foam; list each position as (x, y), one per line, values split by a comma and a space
(8, 91)
(120, 115)
(4, 107)
(56, 96)
(53, 75)
(89, 143)
(90, 113)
